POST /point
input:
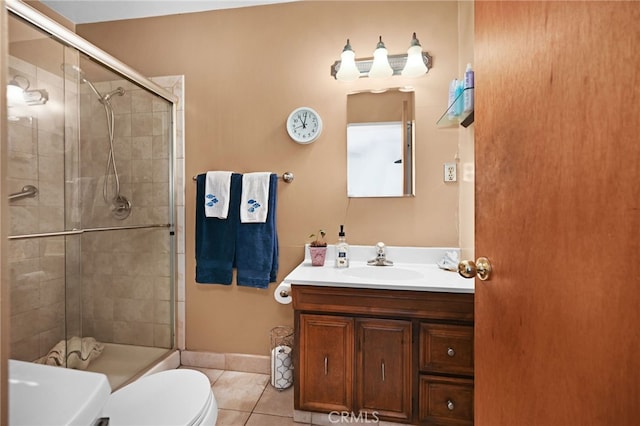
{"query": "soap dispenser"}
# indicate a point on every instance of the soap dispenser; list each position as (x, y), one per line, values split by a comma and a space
(342, 250)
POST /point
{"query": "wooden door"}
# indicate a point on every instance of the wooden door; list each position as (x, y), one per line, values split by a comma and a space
(383, 368)
(325, 363)
(557, 330)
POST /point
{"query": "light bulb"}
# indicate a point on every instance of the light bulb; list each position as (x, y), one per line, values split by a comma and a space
(348, 70)
(415, 66)
(380, 67)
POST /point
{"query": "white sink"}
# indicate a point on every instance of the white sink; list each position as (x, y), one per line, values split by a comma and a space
(384, 273)
(413, 269)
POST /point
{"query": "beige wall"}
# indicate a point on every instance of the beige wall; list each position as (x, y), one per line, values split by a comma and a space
(466, 153)
(245, 70)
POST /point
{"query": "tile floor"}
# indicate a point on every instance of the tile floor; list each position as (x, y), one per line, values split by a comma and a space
(248, 399)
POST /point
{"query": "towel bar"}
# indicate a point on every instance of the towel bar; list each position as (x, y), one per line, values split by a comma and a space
(286, 176)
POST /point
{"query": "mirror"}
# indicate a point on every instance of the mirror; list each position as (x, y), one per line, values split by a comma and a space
(380, 144)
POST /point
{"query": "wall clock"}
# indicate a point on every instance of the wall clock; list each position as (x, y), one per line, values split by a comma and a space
(304, 125)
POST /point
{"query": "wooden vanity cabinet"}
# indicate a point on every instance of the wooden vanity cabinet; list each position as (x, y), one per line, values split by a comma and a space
(400, 356)
(325, 383)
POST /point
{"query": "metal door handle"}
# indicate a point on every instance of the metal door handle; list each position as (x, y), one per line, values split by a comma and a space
(481, 267)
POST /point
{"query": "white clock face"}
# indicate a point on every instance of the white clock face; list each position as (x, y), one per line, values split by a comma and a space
(304, 125)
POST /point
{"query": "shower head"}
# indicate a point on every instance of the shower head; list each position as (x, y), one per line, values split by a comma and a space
(119, 91)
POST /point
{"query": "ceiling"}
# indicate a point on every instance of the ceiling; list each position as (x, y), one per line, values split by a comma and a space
(88, 11)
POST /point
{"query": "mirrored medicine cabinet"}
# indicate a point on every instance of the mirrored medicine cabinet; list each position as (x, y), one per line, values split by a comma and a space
(380, 134)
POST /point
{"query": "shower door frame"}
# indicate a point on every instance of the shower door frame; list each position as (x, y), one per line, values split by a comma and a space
(70, 39)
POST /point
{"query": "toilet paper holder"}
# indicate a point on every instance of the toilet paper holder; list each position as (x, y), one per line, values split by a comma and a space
(282, 293)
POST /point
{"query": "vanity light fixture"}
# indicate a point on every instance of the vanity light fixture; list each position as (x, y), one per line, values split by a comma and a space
(414, 63)
(348, 70)
(415, 66)
(17, 95)
(380, 67)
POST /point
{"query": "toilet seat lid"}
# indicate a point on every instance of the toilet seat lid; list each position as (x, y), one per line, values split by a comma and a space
(171, 397)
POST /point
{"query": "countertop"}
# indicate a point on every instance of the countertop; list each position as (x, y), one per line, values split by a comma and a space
(414, 268)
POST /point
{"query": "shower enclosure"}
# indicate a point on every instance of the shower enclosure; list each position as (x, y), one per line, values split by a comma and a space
(91, 210)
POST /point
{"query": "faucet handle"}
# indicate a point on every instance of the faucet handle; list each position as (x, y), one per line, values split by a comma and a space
(380, 247)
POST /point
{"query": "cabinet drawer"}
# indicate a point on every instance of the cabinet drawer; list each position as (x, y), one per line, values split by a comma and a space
(446, 401)
(446, 348)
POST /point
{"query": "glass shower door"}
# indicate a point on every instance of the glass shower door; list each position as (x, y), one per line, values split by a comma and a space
(92, 250)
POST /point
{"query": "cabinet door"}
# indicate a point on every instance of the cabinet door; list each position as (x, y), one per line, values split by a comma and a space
(383, 368)
(326, 362)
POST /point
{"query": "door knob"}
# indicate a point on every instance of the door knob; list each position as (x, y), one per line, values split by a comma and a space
(481, 267)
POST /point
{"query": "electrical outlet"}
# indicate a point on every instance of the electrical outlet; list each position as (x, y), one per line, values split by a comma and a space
(450, 172)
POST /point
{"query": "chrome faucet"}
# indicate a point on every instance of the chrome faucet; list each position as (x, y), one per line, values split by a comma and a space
(381, 256)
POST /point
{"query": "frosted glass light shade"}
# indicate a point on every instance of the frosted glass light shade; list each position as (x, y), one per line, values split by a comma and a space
(348, 70)
(415, 66)
(380, 67)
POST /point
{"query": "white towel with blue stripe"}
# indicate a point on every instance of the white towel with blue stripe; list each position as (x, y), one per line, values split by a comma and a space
(216, 194)
(254, 204)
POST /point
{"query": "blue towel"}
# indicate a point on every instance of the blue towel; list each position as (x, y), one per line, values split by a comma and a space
(216, 238)
(257, 247)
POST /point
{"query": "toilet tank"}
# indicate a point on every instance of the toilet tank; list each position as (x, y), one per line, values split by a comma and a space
(47, 395)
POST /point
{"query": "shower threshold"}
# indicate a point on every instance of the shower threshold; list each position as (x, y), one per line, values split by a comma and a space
(121, 363)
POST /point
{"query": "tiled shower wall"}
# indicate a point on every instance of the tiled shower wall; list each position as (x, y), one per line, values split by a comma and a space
(126, 273)
(37, 266)
(117, 283)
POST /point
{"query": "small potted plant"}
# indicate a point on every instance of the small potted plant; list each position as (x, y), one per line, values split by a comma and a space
(318, 248)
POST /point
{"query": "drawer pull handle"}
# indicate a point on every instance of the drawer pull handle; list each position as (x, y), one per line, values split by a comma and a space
(383, 376)
(450, 405)
(326, 365)
(451, 352)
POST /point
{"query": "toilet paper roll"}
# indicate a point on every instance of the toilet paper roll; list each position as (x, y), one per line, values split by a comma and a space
(282, 293)
(281, 367)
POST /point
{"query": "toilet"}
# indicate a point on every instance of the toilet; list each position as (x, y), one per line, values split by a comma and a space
(43, 394)
(171, 397)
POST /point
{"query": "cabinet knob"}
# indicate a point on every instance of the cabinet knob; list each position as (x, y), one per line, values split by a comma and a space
(451, 352)
(450, 405)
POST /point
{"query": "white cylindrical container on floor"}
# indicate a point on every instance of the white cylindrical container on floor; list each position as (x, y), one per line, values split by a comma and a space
(281, 367)
(281, 357)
